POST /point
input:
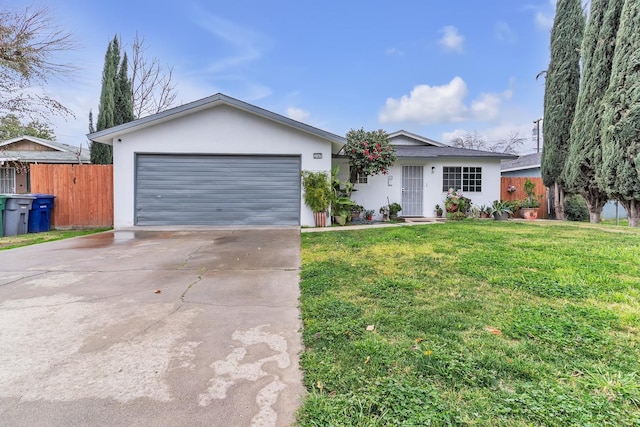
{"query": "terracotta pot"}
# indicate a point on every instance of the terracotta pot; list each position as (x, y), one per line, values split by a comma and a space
(529, 213)
(320, 219)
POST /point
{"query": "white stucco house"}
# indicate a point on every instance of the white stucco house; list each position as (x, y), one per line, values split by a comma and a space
(222, 161)
(423, 174)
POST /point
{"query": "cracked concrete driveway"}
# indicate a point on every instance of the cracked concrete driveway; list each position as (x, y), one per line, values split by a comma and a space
(152, 328)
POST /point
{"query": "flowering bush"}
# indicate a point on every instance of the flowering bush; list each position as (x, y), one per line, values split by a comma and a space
(455, 201)
(369, 153)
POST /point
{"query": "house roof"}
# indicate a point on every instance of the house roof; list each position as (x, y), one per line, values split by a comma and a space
(422, 147)
(417, 138)
(528, 161)
(62, 153)
(106, 136)
(445, 151)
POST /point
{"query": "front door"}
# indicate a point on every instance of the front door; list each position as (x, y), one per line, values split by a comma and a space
(412, 185)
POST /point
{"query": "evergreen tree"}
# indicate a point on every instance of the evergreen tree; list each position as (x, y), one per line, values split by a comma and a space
(102, 153)
(620, 171)
(561, 93)
(116, 100)
(585, 145)
(123, 95)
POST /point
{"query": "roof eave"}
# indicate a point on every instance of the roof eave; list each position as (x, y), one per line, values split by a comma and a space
(107, 136)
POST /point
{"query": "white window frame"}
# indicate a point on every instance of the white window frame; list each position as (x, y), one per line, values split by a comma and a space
(360, 179)
(465, 178)
(7, 180)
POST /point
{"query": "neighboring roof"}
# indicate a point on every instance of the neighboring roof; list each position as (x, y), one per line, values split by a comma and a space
(106, 136)
(528, 161)
(445, 151)
(416, 137)
(63, 153)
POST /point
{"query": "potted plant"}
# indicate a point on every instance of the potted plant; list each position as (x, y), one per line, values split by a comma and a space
(356, 211)
(368, 214)
(500, 209)
(454, 201)
(317, 195)
(394, 208)
(531, 203)
(484, 211)
(384, 210)
(439, 211)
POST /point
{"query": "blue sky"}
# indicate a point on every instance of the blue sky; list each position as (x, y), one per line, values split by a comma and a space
(436, 68)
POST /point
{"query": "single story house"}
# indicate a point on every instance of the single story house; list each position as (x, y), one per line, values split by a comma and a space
(18, 153)
(215, 161)
(528, 165)
(424, 172)
(222, 161)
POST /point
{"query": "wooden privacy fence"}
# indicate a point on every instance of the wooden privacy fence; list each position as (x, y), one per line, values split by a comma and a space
(84, 193)
(519, 194)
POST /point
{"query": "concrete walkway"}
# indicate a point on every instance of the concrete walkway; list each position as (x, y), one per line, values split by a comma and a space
(152, 328)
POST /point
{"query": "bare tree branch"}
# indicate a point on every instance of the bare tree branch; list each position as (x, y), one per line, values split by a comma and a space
(470, 140)
(29, 42)
(510, 145)
(153, 89)
(475, 141)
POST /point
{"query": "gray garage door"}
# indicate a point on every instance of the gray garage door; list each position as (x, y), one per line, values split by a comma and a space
(217, 190)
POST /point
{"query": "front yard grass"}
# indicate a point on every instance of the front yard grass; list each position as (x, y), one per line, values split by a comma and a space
(10, 242)
(480, 323)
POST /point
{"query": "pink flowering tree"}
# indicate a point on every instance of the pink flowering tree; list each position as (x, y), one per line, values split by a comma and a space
(369, 152)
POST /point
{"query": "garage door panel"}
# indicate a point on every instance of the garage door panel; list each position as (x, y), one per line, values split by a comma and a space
(217, 190)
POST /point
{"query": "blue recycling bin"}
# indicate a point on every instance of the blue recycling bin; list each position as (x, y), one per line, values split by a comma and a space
(16, 214)
(40, 213)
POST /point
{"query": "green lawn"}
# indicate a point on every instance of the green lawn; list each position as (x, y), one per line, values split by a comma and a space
(10, 242)
(480, 323)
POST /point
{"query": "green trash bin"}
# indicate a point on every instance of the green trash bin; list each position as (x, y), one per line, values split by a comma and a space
(3, 198)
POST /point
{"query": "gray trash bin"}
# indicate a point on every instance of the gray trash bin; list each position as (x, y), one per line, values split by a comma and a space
(16, 214)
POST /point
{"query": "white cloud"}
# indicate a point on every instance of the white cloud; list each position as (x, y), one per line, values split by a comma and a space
(504, 33)
(297, 114)
(246, 44)
(451, 39)
(442, 104)
(428, 104)
(394, 51)
(543, 20)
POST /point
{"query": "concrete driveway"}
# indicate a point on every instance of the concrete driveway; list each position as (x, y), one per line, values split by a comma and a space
(152, 328)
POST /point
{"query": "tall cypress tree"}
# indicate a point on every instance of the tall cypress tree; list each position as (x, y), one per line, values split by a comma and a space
(561, 93)
(123, 95)
(620, 171)
(585, 145)
(116, 99)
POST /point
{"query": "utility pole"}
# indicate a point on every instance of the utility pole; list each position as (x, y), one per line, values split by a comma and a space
(537, 123)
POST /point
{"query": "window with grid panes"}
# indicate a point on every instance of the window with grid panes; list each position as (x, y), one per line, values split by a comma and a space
(7, 180)
(358, 177)
(467, 179)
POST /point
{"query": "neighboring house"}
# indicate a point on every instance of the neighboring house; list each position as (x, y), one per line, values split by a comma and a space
(528, 165)
(425, 171)
(524, 166)
(18, 153)
(221, 161)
